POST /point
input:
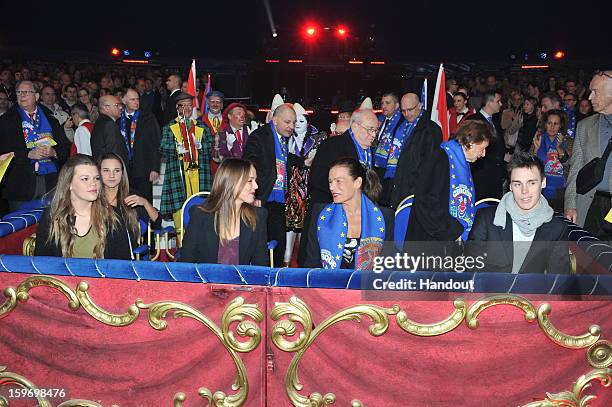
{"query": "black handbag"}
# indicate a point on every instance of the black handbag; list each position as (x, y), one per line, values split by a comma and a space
(591, 174)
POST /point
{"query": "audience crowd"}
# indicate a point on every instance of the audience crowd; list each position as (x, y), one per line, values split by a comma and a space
(91, 141)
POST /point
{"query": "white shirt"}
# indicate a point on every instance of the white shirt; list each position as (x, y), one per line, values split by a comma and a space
(82, 138)
(521, 244)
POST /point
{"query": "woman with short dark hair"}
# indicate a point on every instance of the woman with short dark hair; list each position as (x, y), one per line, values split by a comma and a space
(349, 233)
(444, 202)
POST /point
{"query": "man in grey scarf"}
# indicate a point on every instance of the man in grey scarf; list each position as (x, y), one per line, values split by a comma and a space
(521, 235)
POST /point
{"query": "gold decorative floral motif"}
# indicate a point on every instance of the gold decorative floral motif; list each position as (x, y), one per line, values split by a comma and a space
(10, 302)
(561, 339)
(575, 397)
(439, 328)
(101, 315)
(235, 311)
(471, 317)
(599, 354)
(297, 311)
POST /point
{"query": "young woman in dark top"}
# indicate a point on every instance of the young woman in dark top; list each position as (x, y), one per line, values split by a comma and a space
(80, 222)
(350, 232)
(116, 187)
(228, 228)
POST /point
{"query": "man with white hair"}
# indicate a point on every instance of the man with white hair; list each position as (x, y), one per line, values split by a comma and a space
(39, 143)
(267, 149)
(593, 139)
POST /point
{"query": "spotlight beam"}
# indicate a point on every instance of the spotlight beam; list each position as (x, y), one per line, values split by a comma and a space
(270, 17)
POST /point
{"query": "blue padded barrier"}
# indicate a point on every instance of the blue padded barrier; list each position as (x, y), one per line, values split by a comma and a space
(19, 220)
(561, 284)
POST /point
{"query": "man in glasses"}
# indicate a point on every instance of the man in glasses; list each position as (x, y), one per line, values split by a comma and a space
(414, 142)
(593, 136)
(39, 143)
(106, 136)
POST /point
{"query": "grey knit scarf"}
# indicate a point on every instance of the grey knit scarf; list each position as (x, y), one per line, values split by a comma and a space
(527, 222)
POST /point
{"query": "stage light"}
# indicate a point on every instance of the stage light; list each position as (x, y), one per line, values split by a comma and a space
(295, 61)
(342, 31)
(274, 34)
(543, 55)
(115, 51)
(534, 66)
(126, 52)
(355, 62)
(311, 31)
(272, 61)
(147, 54)
(559, 55)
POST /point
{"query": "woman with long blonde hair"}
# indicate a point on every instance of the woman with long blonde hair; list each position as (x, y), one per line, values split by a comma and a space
(79, 222)
(228, 228)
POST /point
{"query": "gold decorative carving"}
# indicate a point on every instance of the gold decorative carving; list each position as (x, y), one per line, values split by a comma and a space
(297, 311)
(47, 281)
(599, 354)
(29, 244)
(10, 302)
(235, 311)
(471, 317)
(98, 313)
(561, 339)
(575, 397)
(9, 378)
(439, 328)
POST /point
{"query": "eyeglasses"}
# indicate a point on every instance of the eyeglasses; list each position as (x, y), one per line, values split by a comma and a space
(114, 104)
(371, 130)
(603, 73)
(25, 92)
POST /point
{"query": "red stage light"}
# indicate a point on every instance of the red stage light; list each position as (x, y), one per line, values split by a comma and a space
(559, 54)
(311, 31)
(342, 32)
(115, 51)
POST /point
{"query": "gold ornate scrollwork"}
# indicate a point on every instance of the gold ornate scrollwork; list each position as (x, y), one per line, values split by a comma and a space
(101, 315)
(234, 312)
(471, 317)
(10, 302)
(80, 403)
(9, 378)
(47, 281)
(575, 397)
(561, 339)
(439, 328)
(298, 311)
(599, 354)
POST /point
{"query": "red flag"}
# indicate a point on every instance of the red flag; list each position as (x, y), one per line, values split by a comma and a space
(439, 110)
(191, 83)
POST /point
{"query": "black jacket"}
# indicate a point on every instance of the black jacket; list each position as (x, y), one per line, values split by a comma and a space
(146, 146)
(259, 149)
(329, 151)
(19, 182)
(313, 250)
(117, 246)
(426, 137)
(429, 218)
(489, 172)
(170, 112)
(201, 243)
(548, 252)
(106, 138)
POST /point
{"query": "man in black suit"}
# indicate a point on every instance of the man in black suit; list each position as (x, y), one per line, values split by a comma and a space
(106, 137)
(173, 84)
(261, 149)
(521, 235)
(362, 132)
(489, 172)
(35, 167)
(140, 127)
(420, 144)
